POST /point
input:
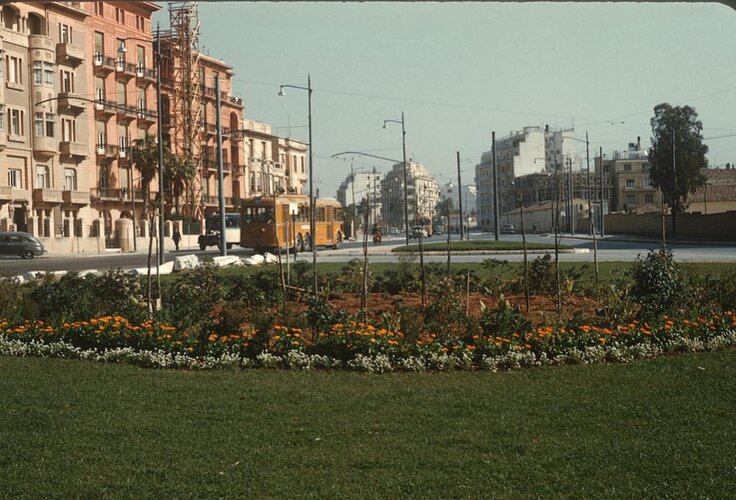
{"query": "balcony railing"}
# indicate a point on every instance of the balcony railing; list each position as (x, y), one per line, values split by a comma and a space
(71, 148)
(45, 195)
(210, 200)
(146, 115)
(126, 112)
(107, 150)
(105, 107)
(75, 197)
(144, 74)
(67, 51)
(104, 193)
(71, 102)
(103, 63)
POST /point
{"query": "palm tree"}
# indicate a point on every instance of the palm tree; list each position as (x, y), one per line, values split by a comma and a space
(144, 155)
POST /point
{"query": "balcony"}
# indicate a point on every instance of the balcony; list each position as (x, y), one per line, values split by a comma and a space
(146, 116)
(71, 102)
(105, 108)
(209, 164)
(124, 70)
(126, 113)
(68, 52)
(75, 197)
(103, 65)
(209, 92)
(45, 146)
(45, 195)
(226, 166)
(10, 193)
(106, 194)
(76, 149)
(210, 201)
(144, 75)
(236, 135)
(107, 151)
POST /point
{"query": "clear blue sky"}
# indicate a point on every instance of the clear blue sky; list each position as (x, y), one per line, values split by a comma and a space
(461, 70)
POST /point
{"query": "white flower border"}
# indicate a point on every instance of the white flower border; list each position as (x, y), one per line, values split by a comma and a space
(380, 363)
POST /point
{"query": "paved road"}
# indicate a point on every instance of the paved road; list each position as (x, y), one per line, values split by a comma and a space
(611, 248)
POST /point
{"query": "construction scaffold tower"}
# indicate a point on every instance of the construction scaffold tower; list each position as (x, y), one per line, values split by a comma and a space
(181, 46)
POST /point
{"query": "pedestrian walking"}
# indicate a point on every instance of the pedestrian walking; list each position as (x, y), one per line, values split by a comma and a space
(177, 238)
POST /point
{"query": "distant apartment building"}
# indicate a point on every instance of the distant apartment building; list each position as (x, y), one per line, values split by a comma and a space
(274, 164)
(468, 196)
(423, 193)
(717, 195)
(533, 150)
(631, 188)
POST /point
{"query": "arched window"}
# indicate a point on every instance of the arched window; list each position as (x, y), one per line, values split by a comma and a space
(11, 18)
(36, 24)
(42, 177)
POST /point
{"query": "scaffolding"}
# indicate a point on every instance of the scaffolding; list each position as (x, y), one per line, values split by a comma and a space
(181, 46)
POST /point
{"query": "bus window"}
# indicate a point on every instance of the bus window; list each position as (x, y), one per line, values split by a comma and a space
(338, 214)
(303, 213)
(258, 215)
(321, 214)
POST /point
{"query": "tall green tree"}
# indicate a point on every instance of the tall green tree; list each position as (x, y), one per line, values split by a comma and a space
(677, 155)
(144, 155)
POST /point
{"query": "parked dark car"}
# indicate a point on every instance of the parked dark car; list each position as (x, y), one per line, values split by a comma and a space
(22, 244)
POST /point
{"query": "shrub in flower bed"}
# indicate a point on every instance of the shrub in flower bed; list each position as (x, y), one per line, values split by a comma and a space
(364, 347)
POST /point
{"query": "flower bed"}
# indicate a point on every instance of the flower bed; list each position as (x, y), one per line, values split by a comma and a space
(362, 347)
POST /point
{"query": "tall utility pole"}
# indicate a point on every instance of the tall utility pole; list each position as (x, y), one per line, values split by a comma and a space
(674, 189)
(591, 226)
(220, 174)
(460, 198)
(495, 186)
(602, 189)
(355, 209)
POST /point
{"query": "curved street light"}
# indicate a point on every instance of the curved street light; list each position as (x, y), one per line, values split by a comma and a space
(403, 148)
(312, 224)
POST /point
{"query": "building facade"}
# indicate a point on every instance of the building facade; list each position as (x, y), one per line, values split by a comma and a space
(533, 150)
(78, 90)
(423, 193)
(631, 188)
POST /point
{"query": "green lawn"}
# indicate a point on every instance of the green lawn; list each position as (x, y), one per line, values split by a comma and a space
(658, 428)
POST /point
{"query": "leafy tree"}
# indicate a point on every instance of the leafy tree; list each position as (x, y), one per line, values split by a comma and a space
(679, 127)
(179, 173)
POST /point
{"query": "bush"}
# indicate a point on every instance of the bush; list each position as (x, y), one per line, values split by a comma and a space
(504, 321)
(189, 299)
(658, 284)
(66, 299)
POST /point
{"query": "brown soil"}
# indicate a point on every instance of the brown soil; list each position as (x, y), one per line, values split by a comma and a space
(541, 307)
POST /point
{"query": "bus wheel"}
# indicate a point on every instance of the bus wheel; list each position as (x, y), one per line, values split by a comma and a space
(202, 247)
(229, 246)
(307, 243)
(299, 243)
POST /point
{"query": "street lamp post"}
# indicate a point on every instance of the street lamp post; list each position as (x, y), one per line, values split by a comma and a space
(159, 138)
(403, 148)
(312, 224)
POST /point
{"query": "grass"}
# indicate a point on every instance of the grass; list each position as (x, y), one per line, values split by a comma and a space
(658, 428)
(464, 246)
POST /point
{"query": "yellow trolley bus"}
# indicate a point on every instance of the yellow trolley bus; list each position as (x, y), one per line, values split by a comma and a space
(268, 223)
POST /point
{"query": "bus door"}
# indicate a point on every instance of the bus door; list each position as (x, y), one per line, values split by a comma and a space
(285, 230)
(329, 216)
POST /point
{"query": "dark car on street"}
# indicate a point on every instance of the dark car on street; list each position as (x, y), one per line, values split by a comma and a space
(507, 229)
(22, 244)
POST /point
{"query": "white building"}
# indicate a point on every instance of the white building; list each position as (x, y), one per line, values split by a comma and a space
(530, 151)
(422, 193)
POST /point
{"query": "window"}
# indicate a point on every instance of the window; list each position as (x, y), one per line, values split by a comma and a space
(121, 93)
(142, 104)
(101, 135)
(67, 80)
(42, 176)
(139, 23)
(14, 178)
(100, 8)
(302, 164)
(65, 33)
(16, 122)
(99, 43)
(123, 137)
(15, 69)
(68, 130)
(70, 179)
(627, 167)
(45, 124)
(141, 57)
(630, 198)
(252, 181)
(2, 117)
(649, 198)
(630, 183)
(119, 15)
(37, 73)
(100, 89)
(648, 183)
(645, 167)
(48, 74)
